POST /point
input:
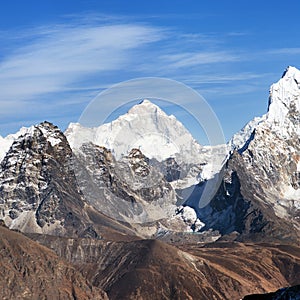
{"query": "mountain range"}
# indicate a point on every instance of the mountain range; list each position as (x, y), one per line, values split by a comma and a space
(140, 201)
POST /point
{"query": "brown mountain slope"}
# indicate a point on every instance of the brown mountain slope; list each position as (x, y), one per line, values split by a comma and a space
(31, 271)
(151, 269)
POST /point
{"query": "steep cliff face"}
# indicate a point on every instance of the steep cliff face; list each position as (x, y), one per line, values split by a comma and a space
(241, 205)
(38, 187)
(273, 153)
(261, 186)
(32, 195)
(129, 190)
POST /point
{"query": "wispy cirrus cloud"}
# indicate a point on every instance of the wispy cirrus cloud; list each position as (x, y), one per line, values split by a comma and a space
(53, 58)
(189, 59)
(222, 78)
(52, 71)
(285, 51)
(58, 58)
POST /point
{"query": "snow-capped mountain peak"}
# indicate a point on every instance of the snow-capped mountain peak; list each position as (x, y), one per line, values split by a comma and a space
(283, 113)
(146, 107)
(49, 131)
(284, 104)
(7, 141)
(270, 145)
(146, 127)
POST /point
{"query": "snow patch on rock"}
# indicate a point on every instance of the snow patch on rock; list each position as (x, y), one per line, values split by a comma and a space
(189, 216)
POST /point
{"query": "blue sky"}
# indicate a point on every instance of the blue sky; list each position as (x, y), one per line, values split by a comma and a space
(56, 56)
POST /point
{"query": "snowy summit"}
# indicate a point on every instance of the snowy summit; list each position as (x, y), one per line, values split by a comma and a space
(146, 127)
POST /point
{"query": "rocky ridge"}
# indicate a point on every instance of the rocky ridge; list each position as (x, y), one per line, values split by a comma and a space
(259, 195)
(39, 191)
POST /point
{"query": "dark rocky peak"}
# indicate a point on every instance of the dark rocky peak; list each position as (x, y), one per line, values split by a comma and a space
(268, 170)
(138, 162)
(38, 187)
(172, 169)
(96, 154)
(122, 189)
(50, 130)
(136, 153)
(288, 293)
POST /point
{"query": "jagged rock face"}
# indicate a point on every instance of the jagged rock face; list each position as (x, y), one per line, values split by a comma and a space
(240, 206)
(274, 166)
(128, 190)
(273, 152)
(261, 187)
(31, 271)
(171, 170)
(139, 163)
(38, 188)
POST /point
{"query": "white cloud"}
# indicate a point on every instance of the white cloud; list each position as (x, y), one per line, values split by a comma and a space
(189, 59)
(56, 58)
(222, 78)
(286, 51)
(51, 71)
